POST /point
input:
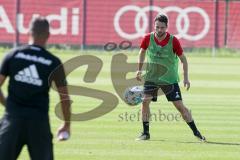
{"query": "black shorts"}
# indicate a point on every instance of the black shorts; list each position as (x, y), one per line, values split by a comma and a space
(171, 91)
(16, 132)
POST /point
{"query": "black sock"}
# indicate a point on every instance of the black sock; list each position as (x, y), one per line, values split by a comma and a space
(146, 127)
(193, 127)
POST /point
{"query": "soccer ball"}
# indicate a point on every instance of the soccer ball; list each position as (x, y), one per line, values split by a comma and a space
(133, 95)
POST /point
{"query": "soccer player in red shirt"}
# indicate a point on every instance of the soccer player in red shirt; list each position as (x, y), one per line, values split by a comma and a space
(163, 54)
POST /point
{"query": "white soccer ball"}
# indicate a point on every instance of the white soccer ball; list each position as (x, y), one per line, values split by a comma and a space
(64, 135)
(133, 95)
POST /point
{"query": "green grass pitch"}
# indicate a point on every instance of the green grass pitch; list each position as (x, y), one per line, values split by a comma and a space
(214, 100)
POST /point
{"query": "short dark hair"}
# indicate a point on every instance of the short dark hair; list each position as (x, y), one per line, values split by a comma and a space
(39, 27)
(161, 18)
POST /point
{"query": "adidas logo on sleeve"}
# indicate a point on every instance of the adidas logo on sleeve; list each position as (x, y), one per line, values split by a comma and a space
(29, 75)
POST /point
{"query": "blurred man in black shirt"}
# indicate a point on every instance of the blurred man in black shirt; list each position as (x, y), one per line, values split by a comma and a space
(26, 108)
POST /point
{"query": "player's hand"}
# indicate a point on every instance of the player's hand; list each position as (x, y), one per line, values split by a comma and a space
(64, 128)
(139, 76)
(186, 83)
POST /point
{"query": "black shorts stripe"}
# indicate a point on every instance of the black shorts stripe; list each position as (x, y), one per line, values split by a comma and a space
(172, 91)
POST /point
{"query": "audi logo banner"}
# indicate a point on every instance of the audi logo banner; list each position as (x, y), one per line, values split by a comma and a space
(182, 16)
(99, 22)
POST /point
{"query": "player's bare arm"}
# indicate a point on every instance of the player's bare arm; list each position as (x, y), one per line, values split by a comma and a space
(2, 98)
(186, 81)
(66, 109)
(140, 63)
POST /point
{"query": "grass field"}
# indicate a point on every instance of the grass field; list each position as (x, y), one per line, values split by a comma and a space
(214, 100)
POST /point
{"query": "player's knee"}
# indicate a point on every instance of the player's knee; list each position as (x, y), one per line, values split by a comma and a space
(146, 101)
(180, 106)
(147, 98)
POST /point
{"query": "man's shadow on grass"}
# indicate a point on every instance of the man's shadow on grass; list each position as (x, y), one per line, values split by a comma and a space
(217, 143)
(206, 142)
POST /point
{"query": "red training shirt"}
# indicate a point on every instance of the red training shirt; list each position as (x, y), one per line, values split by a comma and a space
(177, 48)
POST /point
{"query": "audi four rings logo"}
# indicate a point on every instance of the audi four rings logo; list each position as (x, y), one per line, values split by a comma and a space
(182, 16)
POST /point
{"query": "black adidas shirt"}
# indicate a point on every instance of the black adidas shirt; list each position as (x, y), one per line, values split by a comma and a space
(29, 69)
